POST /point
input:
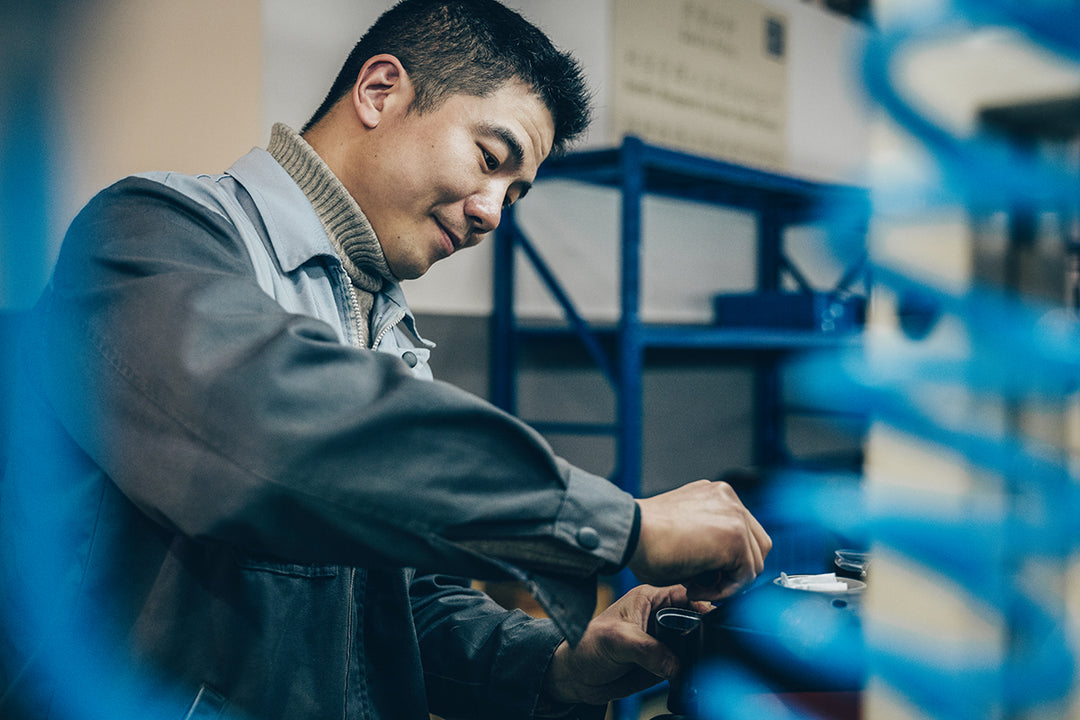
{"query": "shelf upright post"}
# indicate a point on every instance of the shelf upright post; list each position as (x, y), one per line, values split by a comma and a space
(631, 356)
(767, 393)
(770, 231)
(631, 352)
(503, 325)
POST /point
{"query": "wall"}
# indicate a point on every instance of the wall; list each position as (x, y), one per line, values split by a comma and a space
(128, 86)
(157, 86)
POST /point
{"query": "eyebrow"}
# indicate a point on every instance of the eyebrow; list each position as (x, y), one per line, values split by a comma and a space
(517, 152)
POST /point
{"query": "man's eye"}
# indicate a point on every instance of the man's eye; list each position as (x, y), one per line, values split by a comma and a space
(512, 197)
(490, 160)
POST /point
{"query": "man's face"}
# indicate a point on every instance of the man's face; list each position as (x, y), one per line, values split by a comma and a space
(440, 179)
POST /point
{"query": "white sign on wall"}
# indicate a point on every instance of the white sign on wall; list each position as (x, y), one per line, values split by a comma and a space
(706, 76)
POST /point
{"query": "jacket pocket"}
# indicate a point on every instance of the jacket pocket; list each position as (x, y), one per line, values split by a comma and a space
(208, 705)
(287, 569)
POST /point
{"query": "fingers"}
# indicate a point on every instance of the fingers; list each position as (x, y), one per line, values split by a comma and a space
(702, 535)
(640, 603)
(764, 542)
(634, 645)
(616, 657)
(650, 654)
(743, 567)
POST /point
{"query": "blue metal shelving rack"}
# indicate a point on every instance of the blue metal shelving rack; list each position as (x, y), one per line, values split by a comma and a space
(637, 169)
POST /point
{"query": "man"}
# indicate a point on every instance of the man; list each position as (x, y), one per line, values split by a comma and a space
(233, 479)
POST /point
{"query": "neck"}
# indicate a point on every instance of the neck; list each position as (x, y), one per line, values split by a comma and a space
(345, 223)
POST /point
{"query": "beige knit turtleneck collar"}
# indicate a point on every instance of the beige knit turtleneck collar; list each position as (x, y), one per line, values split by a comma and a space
(345, 224)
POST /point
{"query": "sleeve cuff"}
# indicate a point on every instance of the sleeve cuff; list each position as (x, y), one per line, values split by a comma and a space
(632, 541)
(597, 516)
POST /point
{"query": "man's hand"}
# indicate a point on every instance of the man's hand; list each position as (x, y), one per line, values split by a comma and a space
(700, 535)
(616, 657)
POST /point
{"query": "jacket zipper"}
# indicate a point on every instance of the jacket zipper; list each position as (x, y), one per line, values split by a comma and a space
(398, 317)
(358, 321)
(355, 312)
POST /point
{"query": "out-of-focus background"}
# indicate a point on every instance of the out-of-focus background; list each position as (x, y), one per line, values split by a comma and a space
(769, 106)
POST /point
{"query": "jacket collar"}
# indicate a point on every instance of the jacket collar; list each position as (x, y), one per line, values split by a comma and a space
(296, 233)
(297, 236)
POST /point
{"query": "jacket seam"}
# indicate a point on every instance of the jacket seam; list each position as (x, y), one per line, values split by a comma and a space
(93, 538)
(349, 632)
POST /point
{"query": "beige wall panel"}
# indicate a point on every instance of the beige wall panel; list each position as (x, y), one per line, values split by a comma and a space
(158, 85)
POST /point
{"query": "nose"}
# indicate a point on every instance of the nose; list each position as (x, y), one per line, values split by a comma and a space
(484, 208)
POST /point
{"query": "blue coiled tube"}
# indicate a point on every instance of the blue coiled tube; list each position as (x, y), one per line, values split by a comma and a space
(1012, 351)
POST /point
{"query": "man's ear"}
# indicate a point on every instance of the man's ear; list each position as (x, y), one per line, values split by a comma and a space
(382, 82)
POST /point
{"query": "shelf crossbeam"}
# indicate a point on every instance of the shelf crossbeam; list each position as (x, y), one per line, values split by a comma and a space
(636, 170)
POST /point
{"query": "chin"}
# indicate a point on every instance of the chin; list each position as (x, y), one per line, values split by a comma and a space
(409, 271)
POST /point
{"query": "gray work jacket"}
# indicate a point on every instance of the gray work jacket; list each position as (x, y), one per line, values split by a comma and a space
(215, 505)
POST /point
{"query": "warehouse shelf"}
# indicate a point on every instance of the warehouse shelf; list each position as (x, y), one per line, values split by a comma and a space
(701, 336)
(637, 169)
(621, 350)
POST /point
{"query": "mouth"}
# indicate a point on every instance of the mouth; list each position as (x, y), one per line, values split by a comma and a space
(451, 241)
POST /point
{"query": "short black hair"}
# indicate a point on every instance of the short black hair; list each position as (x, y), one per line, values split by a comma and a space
(470, 47)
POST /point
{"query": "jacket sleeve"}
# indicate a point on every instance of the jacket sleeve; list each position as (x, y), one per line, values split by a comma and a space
(480, 660)
(224, 417)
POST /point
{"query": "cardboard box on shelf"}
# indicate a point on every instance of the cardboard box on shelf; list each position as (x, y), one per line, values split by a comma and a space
(706, 76)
